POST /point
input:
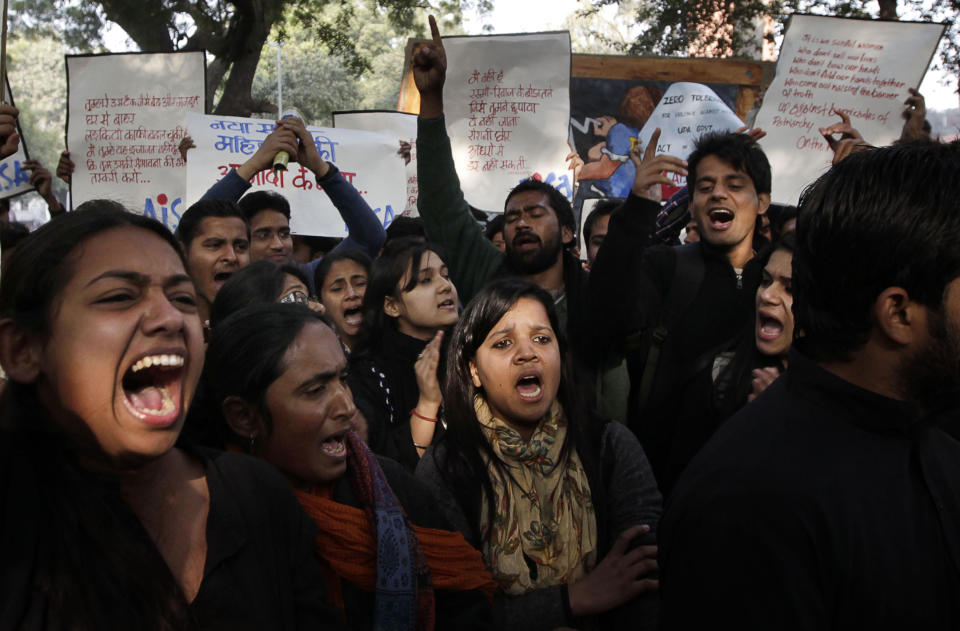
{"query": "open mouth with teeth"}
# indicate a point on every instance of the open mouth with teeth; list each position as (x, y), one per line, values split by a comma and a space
(152, 388)
(529, 388)
(335, 446)
(769, 328)
(720, 218)
(447, 304)
(352, 317)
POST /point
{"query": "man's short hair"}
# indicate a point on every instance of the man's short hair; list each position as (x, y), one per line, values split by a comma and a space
(881, 218)
(738, 150)
(257, 201)
(559, 203)
(494, 226)
(402, 227)
(191, 219)
(601, 209)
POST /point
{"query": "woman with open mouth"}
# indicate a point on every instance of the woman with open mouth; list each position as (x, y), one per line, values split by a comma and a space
(276, 381)
(763, 350)
(408, 305)
(562, 505)
(341, 282)
(105, 523)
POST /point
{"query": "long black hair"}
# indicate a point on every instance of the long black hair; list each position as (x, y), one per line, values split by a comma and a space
(95, 566)
(388, 270)
(461, 462)
(244, 357)
(261, 281)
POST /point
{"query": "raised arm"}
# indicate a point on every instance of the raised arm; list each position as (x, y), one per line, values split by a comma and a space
(618, 282)
(364, 227)
(445, 213)
(234, 184)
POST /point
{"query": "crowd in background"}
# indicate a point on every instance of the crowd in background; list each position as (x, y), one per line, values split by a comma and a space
(731, 413)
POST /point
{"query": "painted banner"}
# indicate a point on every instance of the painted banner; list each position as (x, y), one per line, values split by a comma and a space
(403, 125)
(607, 117)
(507, 105)
(862, 67)
(124, 124)
(368, 160)
(14, 179)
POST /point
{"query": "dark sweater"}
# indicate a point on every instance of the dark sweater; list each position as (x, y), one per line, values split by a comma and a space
(474, 260)
(628, 286)
(629, 497)
(455, 609)
(819, 506)
(259, 573)
(384, 387)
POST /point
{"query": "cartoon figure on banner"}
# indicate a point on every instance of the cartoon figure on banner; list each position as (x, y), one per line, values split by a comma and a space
(159, 210)
(560, 182)
(607, 166)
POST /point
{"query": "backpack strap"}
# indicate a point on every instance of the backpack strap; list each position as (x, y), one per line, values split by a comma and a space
(688, 275)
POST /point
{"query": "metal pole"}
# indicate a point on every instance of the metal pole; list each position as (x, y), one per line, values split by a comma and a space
(279, 81)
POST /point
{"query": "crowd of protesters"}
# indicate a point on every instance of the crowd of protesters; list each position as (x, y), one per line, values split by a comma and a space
(455, 424)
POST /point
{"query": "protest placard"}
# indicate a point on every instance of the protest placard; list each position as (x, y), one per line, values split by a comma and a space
(125, 121)
(685, 112)
(368, 160)
(862, 67)
(507, 105)
(14, 179)
(403, 125)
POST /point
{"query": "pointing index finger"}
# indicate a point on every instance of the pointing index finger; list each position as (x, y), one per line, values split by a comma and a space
(434, 30)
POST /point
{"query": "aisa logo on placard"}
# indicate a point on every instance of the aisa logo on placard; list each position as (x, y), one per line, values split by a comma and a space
(164, 210)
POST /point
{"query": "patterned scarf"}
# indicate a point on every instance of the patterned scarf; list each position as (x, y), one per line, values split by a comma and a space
(404, 593)
(544, 513)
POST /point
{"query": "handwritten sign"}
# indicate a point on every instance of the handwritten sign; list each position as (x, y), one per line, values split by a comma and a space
(125, 122)
(14, 180)
(368, 160)
(507, 103)
(862, 67)
(685, 112)
(403, 125)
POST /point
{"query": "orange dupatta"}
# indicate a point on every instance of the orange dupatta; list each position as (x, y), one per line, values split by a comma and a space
(346, 541)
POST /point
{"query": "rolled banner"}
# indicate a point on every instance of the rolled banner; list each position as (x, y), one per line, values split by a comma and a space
(280, 160)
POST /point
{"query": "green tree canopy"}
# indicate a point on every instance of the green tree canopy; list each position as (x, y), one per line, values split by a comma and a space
(232, 31)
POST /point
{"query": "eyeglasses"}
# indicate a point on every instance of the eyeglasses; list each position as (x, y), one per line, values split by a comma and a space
(296, 297)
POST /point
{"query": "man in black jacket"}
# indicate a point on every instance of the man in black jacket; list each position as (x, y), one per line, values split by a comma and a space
(676, 311)
(833, 500)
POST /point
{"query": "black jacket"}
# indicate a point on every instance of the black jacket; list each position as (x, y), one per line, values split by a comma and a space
(822, 506)
(628, 286)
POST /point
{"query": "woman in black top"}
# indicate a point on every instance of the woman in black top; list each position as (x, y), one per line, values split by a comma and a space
(409, 303)
(104, 523)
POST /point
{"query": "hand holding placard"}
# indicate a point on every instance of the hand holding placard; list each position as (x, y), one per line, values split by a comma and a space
(9, 138)
(650, 167)
(429, 74)
(915, 114)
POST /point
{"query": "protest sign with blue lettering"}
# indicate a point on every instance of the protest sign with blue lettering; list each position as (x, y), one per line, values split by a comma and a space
(124, 124)
(368, 160)
(14, 179)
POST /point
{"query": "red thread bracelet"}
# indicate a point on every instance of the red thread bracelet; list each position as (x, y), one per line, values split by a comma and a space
(414, 412)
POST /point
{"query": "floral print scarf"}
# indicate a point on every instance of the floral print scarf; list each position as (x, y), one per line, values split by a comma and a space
(545, 530)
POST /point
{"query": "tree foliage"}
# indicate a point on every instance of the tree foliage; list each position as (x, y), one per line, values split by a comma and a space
(729, 27)
(232, 31)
